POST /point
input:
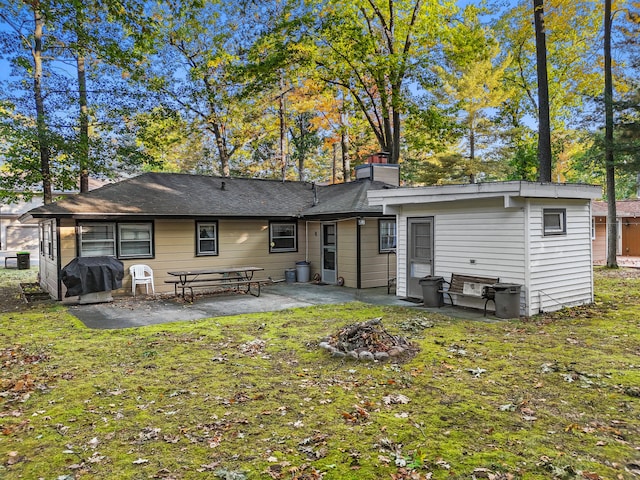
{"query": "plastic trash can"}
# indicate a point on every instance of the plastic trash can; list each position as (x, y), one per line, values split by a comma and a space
(24, 260)
(431, 297)
(507, 298)
(290, 275)
(302, 271)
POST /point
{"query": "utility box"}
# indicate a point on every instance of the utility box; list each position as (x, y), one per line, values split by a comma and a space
(431, 296)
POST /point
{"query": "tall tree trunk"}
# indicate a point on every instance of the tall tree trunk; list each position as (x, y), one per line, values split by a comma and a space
(544, 123)
(283, 129)
(612, 227)
(334, 176)
(472, 153)
(83, 145)
(221, 145)
(43, 141)
(346, 161)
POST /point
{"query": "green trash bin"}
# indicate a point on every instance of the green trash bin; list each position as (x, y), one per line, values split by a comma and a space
(24, 260)
(507, 299)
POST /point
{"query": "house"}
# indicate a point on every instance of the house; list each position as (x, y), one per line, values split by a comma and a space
(16, 236)
(531, 234)
(180, 222)
(628, 227)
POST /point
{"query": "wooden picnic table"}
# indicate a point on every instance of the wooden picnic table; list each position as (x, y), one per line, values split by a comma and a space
(215, 277)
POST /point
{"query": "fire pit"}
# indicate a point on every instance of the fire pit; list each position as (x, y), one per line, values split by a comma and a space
(368, 341)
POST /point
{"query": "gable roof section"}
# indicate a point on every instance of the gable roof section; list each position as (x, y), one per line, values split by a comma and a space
(175, 195)
(345, 198)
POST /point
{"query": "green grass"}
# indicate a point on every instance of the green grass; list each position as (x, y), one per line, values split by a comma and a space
(558, 397)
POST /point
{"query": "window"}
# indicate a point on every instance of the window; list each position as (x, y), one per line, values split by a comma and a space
(283, 237)
(134, 240)
(387, 235)
(122, 240)
(555, 221)
(46, 239)
(207, 238)
(97, 239)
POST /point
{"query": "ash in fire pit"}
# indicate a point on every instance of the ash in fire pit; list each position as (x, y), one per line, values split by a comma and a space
(368, 341)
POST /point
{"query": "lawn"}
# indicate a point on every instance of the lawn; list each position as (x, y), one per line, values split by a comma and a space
(555, 396)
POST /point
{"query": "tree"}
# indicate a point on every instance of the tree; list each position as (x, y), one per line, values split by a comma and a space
(372, 48)
(573, 30)
(544, 122)
(472, 83)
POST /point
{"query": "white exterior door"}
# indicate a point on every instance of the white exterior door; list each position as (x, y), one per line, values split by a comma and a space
(329, 258)
(419, 253)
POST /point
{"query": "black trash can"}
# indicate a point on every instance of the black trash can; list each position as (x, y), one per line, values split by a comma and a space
(507, 298)
(24, 260)
(431, 297)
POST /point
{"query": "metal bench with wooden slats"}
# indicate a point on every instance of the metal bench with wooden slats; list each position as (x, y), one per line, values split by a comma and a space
(471, 286)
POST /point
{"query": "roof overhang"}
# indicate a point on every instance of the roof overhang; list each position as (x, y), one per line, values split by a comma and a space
(513, 193)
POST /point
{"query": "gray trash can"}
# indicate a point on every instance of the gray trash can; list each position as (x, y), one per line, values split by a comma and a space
(431, 297)
(507, 298)
(302, 270)
(290, 275)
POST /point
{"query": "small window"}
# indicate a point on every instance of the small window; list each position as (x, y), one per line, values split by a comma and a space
(387, 235)
(97, 239)
(283, 237)
(555, 221)
(135, 240)
(207, 235)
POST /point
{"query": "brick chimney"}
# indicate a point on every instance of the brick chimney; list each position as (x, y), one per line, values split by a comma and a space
(377, 168)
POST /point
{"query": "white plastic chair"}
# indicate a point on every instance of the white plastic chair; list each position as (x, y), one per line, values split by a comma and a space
(141, 275)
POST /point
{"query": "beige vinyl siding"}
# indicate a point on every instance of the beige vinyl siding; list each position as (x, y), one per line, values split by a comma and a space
(48, 264)
(347, 252)
(68, 246)
(240, 243)
(314, 239)
(373, 268)
(560, 265)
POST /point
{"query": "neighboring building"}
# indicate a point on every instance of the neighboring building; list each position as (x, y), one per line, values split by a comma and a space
(18, 237)
(628, 222)
(531, 234)
(14, 236)
(180, 222)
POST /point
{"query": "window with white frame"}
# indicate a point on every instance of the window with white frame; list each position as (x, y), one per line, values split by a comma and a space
(555, 221)
(283, 237)
(387, 235)
(207, 238)
(122, 240)
(97, 239)
(135, 240)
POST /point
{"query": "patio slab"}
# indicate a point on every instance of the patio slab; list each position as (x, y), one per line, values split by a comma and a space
(130, 312)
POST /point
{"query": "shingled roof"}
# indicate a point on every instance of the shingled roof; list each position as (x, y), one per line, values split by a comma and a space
(175, 195)
(624, 208)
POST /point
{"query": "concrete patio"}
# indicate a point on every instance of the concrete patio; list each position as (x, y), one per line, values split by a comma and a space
(127, 312)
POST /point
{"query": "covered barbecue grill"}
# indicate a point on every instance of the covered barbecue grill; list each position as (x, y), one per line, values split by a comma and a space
(87, 275)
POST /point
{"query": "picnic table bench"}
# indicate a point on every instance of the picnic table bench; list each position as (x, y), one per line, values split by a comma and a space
(231, 277)
(473, 286)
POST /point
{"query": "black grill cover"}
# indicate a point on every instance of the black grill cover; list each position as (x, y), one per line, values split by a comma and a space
(84, 275)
